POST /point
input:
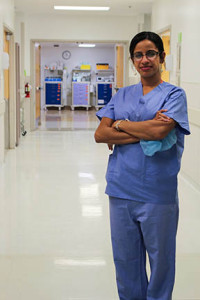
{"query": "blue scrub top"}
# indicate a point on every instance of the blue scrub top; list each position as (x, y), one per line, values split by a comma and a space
(131, 174)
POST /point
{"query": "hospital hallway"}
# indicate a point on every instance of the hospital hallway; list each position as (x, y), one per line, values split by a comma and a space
(54, 218)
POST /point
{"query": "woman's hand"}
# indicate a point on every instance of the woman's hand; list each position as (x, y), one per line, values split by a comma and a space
(110, 147)
(160, 116)
(114, 123)
(117, 122)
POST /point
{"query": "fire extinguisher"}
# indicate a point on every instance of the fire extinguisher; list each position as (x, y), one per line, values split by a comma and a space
(27, 90)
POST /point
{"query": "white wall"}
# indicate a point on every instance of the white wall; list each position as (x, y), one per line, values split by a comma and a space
(7, 20)
(79, 28)
(184, 16)
(7, 12)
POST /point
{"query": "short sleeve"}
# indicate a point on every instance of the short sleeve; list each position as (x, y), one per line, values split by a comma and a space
(176, 105)
(107, 111)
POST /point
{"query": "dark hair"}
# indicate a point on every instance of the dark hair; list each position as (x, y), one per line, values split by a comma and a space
(147, 35)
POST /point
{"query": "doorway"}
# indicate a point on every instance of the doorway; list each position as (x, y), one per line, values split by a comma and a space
(17, 67)
(9, 90)
(39, 69)
(6, 48)
(119, 66)
(165, 35)
(38, 84)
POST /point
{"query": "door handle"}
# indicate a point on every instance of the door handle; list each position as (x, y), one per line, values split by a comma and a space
(38, 88)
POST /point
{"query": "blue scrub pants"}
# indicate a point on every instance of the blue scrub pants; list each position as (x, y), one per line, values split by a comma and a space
(137, 228)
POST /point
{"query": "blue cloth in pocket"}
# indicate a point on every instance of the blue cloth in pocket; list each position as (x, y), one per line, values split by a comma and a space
(151, 147)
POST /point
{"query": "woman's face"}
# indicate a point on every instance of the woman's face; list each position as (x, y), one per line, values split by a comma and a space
(147, 66)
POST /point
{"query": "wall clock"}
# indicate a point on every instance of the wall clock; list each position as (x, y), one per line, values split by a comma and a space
(66, 54)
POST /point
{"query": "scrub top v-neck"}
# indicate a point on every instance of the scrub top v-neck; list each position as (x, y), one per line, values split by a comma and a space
(131, 174)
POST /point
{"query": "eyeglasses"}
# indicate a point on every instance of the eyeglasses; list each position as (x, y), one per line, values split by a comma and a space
(150, 54)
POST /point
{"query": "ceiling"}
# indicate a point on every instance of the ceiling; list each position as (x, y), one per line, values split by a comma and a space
(118, 7)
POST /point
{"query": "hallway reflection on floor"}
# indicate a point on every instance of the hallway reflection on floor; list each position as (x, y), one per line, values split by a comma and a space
(66, 119)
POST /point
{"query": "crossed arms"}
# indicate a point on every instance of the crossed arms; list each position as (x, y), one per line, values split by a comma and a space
(132, 132)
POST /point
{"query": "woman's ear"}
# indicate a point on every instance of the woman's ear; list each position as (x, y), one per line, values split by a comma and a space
(162, 57)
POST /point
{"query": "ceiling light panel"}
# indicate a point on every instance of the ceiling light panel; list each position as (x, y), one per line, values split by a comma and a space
(87, 45)
(86, 8)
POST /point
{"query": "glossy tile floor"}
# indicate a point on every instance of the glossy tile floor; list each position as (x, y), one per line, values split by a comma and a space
(54, 223)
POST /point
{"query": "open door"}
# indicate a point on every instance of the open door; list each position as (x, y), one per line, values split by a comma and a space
(166, 42)
(6, 95)
(17, 65)
(119, 66)
(37, 84)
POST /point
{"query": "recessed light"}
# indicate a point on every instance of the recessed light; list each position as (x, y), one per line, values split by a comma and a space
(91, 8)
(87, 45)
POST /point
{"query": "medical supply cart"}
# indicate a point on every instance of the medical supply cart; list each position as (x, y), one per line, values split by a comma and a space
(104, 92)
(81, 88)
(53, 92)
(53, 87)
(104, 87)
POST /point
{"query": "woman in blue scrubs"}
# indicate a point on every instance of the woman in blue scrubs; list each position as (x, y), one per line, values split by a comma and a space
(146, 123)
